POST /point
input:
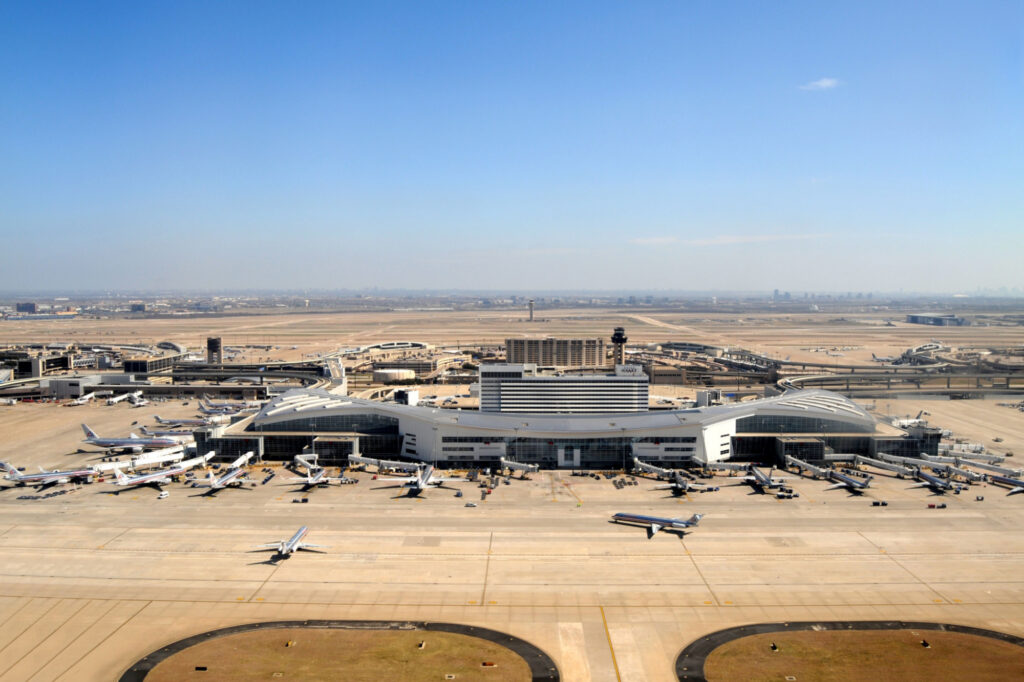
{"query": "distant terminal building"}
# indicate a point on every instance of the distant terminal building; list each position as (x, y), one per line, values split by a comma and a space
(812, 423)
(519, 388)
(945, 320)
(137, 308)
(152, 363)
(552, 352)
(421, 366)
(26, 308)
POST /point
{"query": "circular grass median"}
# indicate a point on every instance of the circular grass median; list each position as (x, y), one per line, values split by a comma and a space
(853, 652)
(345, 650)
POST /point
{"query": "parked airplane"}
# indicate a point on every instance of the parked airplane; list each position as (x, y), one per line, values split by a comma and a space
(854, 485)
(418, 483)
(286, 548)
(656, 523)
(216, 410)
(124, 396)
(184, 422)
(761, 481)
(158, 478)
(186, 435)
(1016, 485)
(937, 485)
(133, 443)
(155, 478)
(233, 404)
(888, 359)
(45, 478)
(233, 478)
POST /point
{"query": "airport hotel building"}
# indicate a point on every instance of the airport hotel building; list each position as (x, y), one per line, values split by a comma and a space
(600, 422)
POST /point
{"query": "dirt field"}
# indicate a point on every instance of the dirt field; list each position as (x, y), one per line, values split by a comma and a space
(351, 655)
(977, 421)
(865, 656)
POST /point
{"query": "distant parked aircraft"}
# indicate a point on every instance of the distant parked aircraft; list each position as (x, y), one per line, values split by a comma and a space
(888, 359)
(45, 478)
(133, 443)
(656, 523)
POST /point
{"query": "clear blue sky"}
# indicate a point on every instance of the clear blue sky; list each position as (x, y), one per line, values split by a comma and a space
(669, 145)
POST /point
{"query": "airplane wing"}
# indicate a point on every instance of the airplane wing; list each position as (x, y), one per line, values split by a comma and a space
(1014, 491)
(270, 544)
(407, 479)
(836, 486)
(310, 544)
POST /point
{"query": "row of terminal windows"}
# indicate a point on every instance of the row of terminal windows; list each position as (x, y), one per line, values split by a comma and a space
(795, 424)
(457, 448)
(360, 423)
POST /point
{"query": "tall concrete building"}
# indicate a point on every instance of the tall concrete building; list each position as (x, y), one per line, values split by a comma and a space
(556, 352)
(521, 389)
(214, 350)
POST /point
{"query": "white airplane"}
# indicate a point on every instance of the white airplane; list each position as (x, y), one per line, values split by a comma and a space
(133, 443)
(854, 485)
(762, 481)
(124, 396)
(186, 435)
(216, 410)
(233, 404)
(519, 466)
(137, 401)
(656, 523)
(81, 401)
(1016, 485)
(888, 359)
(155, 478)
(936, 484)
(286, 548)
(234, 478)
(158, 478)
(420, 482)
(679, 485)
(184, 422)
(318, 475)
(45, 478)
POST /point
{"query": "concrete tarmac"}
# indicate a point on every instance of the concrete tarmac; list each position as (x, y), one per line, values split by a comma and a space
(91, 581)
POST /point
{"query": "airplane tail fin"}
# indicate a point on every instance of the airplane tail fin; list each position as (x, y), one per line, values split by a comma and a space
(89, 433)
(7, 467)
(145, 431)
(695, 519)
(133, 435)
(119, 475)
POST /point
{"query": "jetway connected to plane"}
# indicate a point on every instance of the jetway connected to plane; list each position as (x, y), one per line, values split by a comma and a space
(818, 472)
(887, 466)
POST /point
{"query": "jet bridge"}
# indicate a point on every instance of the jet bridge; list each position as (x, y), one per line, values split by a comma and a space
(1002, 471)
(804, 466)
(887, 466)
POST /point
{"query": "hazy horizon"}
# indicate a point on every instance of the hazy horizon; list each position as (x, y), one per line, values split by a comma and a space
(652, 147)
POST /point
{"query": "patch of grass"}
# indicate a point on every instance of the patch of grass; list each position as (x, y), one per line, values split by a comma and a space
(337, 654)
(865, 656)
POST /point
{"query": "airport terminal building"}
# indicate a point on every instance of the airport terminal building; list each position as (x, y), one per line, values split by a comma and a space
(810, 423)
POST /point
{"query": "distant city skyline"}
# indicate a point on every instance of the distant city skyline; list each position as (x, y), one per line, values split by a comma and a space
(593, 146)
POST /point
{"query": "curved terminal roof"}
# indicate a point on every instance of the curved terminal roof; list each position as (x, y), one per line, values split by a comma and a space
(300, 403)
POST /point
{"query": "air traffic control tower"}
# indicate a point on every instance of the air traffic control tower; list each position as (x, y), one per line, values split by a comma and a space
(619, 345)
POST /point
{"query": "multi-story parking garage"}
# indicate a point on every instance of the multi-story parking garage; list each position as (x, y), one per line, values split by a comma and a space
(336, 426)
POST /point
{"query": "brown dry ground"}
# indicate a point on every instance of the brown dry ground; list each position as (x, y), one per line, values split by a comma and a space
(770, 333)
(865, 656)
(351, 655)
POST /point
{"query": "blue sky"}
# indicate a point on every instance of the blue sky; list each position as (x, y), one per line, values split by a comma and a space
(656, 145)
